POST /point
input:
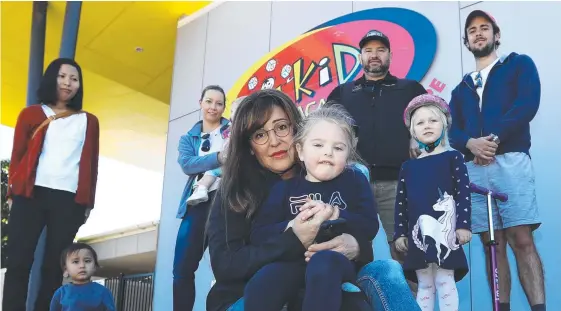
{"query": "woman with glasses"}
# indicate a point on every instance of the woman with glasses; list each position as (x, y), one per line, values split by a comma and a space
(261, 153)
(199, 154)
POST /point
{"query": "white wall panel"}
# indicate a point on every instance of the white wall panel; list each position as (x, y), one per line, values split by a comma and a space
(188, 68)
(174, 182)
(290, 21)
(238, 35)
(464, 4)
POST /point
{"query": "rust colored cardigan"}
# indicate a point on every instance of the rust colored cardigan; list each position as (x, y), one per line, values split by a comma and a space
(26, 151)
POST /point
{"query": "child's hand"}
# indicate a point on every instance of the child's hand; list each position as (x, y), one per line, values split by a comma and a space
(401, 244)
(226, 144)
(311, 208)
(464, 236)
(335, 214)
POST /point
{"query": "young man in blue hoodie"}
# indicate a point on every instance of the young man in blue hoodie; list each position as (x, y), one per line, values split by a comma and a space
(491, 112)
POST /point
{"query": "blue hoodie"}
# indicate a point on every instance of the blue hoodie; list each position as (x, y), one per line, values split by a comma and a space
(511, 99)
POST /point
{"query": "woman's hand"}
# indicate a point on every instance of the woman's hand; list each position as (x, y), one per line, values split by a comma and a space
(221, 156)
(463, 235)
(9, 204)
(401, 244)
(345, 244)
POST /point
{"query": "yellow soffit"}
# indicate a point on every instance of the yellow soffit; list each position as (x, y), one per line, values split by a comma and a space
(128, 90)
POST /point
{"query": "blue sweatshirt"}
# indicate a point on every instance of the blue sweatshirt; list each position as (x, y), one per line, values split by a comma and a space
(511, 99)
(84, 297)
(350, 192)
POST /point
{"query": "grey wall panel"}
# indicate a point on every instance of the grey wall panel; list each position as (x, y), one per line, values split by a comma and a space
(174, 182)
(290, 21)
(238, 35)
(188, 67)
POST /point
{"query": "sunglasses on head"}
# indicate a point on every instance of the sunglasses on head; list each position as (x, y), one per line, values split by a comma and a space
(205, 147)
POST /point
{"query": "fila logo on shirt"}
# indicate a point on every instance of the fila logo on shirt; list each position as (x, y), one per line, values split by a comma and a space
(336, 200)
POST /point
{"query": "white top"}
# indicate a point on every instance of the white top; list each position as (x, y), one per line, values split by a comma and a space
(216, 145)
(59, 160)
(484, 74)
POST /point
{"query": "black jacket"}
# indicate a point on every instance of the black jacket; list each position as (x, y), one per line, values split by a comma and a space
(234, 260)
(377, 108)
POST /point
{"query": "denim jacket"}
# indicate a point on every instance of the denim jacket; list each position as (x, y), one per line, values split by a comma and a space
(192, 164)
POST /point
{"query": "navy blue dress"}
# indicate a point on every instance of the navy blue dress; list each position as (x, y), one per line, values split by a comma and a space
(433, 200)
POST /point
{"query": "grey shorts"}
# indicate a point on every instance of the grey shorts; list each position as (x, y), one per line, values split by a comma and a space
(513, 174)
(384, 193)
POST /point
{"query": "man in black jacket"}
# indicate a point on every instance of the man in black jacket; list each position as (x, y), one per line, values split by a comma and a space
(376, 101)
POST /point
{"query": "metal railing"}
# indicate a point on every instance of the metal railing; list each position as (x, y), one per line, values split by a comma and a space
(132, 292)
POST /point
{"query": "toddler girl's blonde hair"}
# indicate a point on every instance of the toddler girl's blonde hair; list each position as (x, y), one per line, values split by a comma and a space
(337, 115)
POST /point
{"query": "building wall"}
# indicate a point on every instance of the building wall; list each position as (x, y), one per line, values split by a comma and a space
(220, 46)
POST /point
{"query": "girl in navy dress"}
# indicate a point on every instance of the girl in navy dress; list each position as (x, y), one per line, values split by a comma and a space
(433, 207)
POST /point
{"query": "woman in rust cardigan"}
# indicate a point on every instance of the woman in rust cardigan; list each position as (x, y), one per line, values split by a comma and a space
(52, 181)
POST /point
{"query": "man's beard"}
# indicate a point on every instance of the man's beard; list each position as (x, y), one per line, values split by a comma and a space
(380, 70)
(484, 51)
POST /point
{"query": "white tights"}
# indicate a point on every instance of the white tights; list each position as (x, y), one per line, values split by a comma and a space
(445, 286)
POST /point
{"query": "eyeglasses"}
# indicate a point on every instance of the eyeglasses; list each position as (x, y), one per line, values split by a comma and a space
(478, 80)
(205, 147)
(281, 129)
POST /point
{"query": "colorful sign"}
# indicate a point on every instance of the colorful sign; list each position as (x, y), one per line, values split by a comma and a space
(311, 66)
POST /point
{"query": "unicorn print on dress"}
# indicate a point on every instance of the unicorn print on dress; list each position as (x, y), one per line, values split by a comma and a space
(443, 230)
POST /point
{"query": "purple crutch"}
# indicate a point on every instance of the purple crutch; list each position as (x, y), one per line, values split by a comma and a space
(492, 243)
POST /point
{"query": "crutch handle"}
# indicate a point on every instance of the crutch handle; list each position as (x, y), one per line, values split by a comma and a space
(503, 197)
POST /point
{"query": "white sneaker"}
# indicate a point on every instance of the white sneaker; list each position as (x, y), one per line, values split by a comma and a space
(199, 195)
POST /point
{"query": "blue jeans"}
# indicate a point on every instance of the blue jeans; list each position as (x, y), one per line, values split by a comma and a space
(189, 249)
(384, 284)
